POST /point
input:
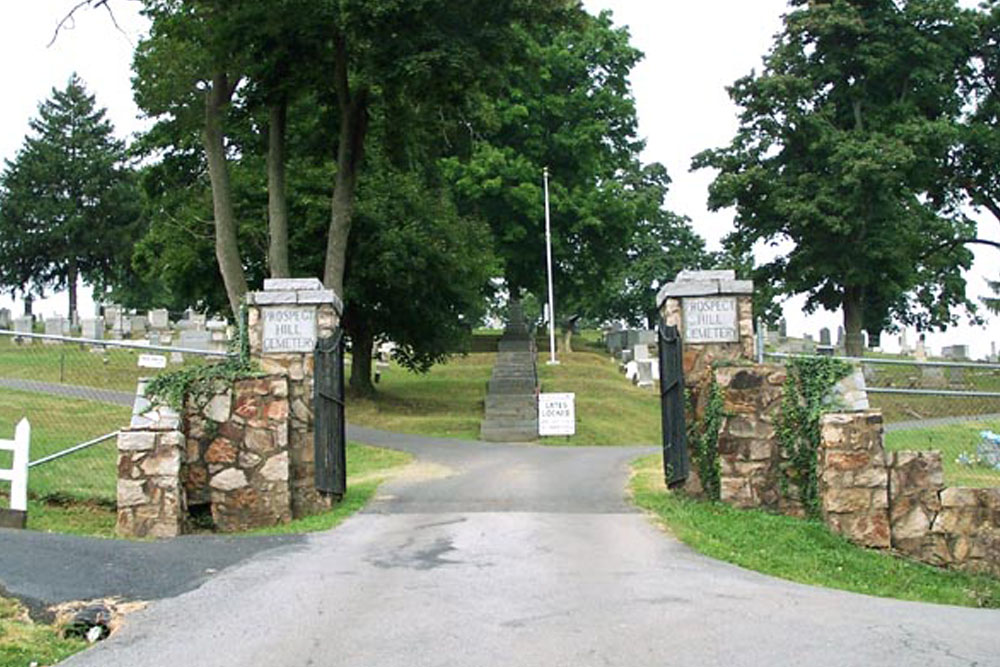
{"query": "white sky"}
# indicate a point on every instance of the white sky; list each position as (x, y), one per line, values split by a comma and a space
(693, 50)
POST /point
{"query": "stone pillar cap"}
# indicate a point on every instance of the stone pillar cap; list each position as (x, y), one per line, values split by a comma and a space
(295, 291)
(704, 283)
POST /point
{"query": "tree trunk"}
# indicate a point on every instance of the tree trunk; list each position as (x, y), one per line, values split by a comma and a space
(28, 300)
(853, 321)
(71, 279)
(567, 341)
(227, 250)
(362, 341)
(277, 203)
(350, 150)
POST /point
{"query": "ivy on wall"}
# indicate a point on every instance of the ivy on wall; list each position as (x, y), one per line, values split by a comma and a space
(807, 391)
(703, 441)
(171, 388)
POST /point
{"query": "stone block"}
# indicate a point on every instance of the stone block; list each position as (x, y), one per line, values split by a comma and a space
(276, 468)
(136, 440)
(217, 409)
(292, 284)
(229, 480)
(163, 463)
(220, 451)
(131, 493)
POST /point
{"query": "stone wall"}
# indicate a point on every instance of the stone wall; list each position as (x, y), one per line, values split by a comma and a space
(899, 499)
(854, 478)
(151, 499)
(875, 498)
(236, 458)
(749, 453)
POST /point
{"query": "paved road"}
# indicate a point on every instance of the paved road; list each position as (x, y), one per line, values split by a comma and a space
(72, 391)
(512, 555)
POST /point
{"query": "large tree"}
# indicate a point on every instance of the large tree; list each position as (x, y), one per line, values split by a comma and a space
(205, 61)
(68, 205)
(574, 114)
(843, 152)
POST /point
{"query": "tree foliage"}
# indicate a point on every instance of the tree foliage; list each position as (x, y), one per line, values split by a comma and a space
(68, 204)
(844, 150)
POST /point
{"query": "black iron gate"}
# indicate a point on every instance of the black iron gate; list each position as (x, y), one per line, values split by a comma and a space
(675, 455)
(328, 408)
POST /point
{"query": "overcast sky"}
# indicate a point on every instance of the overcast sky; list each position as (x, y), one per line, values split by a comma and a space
(693, 51)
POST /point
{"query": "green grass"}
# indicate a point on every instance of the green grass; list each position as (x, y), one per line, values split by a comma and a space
(23, 642)
(802, 551)
(58, 423)
(951, 440)
(448, 401)
(445, 402)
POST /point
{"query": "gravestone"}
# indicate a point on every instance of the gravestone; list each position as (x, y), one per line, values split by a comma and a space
(956, 352)
(841, 340)
(126, 325)
(956, 376)
(645, 369)
(874, 340)
(92, 328)
(993, 352)
(23, 324)
(920, 350)
(154, 337)
(55, 326)
(113, 316)
(640, 352)
(647, 337)
(159, 319)
(824, 337)
(932, 376)
(139, 324)
(782, 330)
(195, 340)
(904, 343)
(5, 318)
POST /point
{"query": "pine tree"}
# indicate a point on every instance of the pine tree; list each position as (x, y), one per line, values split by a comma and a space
(68, 205)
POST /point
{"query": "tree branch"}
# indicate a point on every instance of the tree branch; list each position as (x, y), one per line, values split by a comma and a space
(68, 21)
(953, 243)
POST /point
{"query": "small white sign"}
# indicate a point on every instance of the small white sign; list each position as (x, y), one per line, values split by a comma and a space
(556, 414)
(152, 361)
(291, 329)
(711, 319)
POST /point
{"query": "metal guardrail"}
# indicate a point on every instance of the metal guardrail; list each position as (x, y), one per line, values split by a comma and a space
(888, 362)
(131, 345)
(74, 448)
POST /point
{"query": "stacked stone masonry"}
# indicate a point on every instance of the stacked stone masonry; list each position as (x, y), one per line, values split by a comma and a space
(236, 457)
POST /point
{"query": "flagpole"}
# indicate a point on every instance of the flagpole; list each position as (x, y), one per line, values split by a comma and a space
(548, 260)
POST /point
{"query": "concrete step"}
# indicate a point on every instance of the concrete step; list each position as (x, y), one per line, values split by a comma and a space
(511, 401)
(523, 432)
(506, 386)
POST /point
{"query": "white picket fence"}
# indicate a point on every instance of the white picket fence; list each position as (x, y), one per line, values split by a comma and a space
(17, 474)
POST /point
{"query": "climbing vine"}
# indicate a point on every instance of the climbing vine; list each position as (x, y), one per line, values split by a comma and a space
(206, 379)
(703, 441)
(807, 391)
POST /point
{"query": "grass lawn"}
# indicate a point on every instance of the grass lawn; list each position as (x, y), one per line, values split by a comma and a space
(23, 642)
(448, 401)
(802, 551)
(58, 423)
(951, 440)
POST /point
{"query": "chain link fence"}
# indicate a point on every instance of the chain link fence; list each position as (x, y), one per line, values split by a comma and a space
(76, 393)
(949, 406)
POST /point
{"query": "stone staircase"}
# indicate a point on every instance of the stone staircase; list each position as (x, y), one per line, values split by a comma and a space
(511, 413)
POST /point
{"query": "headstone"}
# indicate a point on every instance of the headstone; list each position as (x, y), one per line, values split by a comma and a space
(632, 371)
(645, 369)
(195, 340)
(782, 330)
(956, 376)
(993, 352)
(932, 376)
(824, 336)
(113, 316)
(956, 352)
(159, 319)
(55, 326)
(5, 318)
(920, 351)
(139, 324)
(176, 358)
(153, 337)
(874, 340)
(126, 325)
(841, 340)
(23, 324)
(92, 328)
(647, 337)
(825, 350)
(904, 344)
(632, 338)
(627, 355)
(640, 352)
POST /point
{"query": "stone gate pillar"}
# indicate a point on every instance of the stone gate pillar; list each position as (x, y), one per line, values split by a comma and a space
(285, 321)
(714, 313)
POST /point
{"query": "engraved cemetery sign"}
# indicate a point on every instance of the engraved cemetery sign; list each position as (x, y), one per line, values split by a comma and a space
(711, 319)
(289, 329)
